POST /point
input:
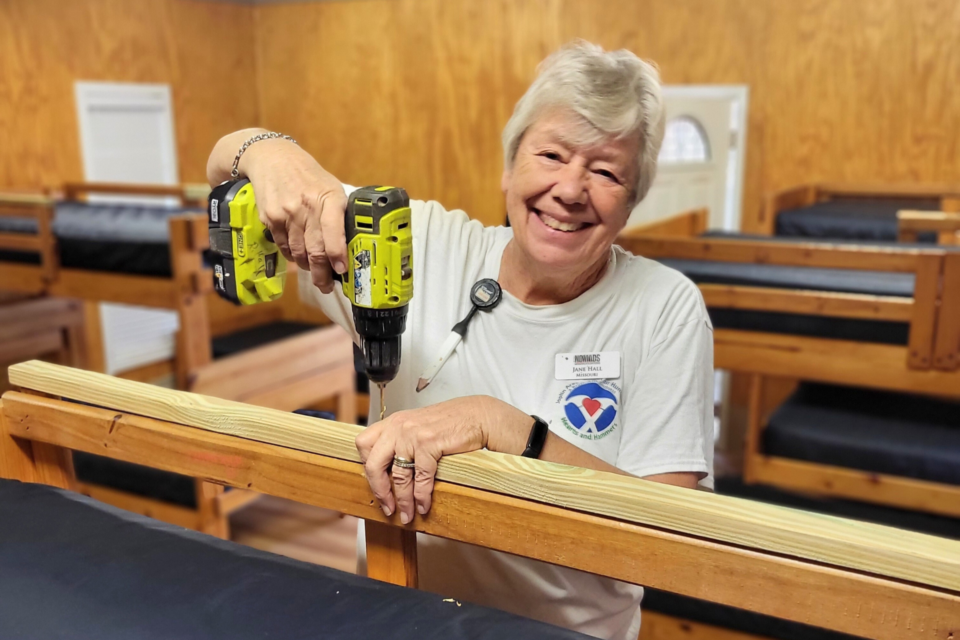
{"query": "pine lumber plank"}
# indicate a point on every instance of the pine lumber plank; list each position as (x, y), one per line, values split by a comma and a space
(811, 593)
(820, 303)
(881, 366)
(878, 550)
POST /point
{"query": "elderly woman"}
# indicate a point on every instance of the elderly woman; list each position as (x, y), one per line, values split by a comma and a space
(580, 152)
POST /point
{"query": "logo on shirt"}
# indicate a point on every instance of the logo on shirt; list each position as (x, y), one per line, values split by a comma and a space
(590, 409)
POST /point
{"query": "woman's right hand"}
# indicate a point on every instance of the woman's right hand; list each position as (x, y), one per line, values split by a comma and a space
(300, 202)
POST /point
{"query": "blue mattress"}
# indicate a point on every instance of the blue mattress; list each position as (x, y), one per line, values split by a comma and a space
(883, 432)
(865, 219)
(73, 568)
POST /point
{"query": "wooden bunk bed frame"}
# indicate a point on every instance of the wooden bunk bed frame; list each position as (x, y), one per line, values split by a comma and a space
(946, 224)
(842, 575)
(284, 376)
(809, 194)
(929, 364)
(38, 327)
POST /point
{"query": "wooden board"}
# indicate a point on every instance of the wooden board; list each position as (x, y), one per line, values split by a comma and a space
(659, 626)
(878, 550)
(23, 278)
(844, 600)
(893, 491)
(20, 242)
(158, 293)
(797, 254)
(946, 354)
(880, 366)
(683, 225)
(819, 303)
(923, 325)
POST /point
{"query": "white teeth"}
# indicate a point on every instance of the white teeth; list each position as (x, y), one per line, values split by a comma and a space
(553, 223)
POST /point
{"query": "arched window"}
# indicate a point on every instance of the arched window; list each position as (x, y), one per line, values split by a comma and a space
(684, 141)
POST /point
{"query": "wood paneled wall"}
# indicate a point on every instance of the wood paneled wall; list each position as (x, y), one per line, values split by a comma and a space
(416, 92)
(203, 50)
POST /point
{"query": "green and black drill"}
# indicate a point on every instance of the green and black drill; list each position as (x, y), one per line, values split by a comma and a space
(248, 267)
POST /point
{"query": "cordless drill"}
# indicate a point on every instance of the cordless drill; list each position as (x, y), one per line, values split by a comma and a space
(248, 267)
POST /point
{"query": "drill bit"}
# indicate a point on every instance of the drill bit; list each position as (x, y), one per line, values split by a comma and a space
(383, 407)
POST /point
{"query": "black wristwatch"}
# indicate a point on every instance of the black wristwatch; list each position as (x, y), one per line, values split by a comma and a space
(538, 435)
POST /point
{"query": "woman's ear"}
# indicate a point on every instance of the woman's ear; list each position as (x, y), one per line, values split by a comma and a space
(505, 180)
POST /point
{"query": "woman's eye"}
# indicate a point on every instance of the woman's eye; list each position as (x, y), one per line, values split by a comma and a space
(607, 174)
(551, 155)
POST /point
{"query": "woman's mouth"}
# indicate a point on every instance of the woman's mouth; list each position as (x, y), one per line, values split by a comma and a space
(553, 223)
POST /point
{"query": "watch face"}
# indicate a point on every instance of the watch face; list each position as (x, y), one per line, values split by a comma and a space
(486, 294)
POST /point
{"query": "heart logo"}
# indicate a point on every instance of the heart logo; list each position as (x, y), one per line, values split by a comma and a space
(591, 405)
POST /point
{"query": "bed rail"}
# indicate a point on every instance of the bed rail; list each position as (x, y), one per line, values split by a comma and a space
(852, 577)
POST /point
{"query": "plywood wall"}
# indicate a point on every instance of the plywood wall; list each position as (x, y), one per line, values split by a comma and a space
(416, 92)
(202, 49)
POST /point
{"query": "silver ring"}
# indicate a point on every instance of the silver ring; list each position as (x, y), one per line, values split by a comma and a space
(403, 463)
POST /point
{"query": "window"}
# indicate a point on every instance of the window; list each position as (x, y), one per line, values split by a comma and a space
(684, 141)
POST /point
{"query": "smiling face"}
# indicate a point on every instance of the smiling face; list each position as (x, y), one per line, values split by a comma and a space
(567, 202)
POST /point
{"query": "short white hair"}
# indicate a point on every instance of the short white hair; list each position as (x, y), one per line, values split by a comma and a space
(616, 93)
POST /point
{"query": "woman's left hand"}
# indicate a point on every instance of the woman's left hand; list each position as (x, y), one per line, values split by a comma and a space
(426, 435)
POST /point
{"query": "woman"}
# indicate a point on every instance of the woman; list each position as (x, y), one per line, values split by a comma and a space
(580, 153)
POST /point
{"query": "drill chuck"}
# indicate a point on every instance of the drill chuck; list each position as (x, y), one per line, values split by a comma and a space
(380, 331)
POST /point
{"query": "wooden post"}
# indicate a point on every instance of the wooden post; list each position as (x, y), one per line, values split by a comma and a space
(16, 455)
(754, 429)
(926, 293)
(31, 461)
(212, 520)
(391, 554)
(947, 344)
(188, 238)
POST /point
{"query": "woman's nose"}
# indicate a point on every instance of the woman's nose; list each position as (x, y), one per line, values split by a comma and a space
(571, 186)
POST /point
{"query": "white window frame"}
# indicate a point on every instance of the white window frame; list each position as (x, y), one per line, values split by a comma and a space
(133, 96)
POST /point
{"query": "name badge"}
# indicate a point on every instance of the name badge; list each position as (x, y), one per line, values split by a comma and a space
(588, 366)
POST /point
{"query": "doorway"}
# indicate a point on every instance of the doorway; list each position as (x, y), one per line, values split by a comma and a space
(702, 157)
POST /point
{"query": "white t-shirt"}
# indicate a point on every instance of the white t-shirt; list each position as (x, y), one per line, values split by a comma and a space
(657, 417)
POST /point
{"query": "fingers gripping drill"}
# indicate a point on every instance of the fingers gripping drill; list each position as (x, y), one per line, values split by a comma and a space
(249, 269)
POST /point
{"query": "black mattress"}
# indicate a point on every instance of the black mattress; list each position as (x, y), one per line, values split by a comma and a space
(879, 431)
(802, 278)
(73, 568)
(865, 219)
(131, 239)
(766, 626)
